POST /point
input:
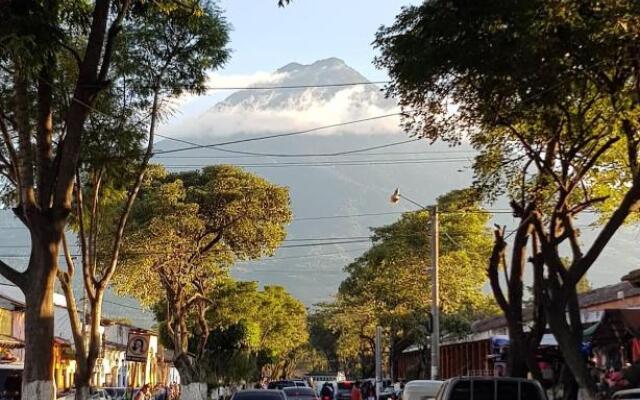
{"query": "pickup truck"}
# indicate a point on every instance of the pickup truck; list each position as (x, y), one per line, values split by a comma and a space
(490, 388)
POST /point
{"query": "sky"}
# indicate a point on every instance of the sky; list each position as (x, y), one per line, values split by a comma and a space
(265, 37)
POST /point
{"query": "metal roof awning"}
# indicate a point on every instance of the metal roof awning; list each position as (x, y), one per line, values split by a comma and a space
(10, 342)
(617, 326)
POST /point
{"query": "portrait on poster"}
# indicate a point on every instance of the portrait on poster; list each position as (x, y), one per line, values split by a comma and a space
(137, 347)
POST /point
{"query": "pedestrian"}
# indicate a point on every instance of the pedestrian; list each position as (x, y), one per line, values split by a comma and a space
(371, 393)
(356, 394)
(327, 392)
(144, 393)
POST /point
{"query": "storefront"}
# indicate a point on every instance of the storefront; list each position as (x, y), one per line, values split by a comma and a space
(64, 364)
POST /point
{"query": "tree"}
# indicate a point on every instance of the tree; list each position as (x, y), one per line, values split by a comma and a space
(282, 322)
(186, 232)
(252, 333)
(387, 286)
(173, 50)
(56, 59)
(322, 338)
(584, 285)
(548, 93)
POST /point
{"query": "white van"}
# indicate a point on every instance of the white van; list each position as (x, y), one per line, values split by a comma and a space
(421, 390)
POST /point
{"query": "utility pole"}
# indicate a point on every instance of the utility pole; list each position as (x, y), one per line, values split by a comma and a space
(378, 360)
(435, 294)
(435, 283)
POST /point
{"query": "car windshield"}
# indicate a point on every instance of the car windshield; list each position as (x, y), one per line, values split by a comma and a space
(281, 384)
(345, 385)
(258, 395)
(299, 393)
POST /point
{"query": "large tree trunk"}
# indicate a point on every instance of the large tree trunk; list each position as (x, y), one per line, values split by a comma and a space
(38, 381)
(570, 344)
(516, 363)
(190, 387)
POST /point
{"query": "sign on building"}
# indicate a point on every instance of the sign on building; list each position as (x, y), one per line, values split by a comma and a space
(137, 347)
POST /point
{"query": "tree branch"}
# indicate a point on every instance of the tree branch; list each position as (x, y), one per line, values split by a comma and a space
(114, 29)
(25, 151)
(44, 137)
(84, 247)
(499, 246)
(629, 203)
(133, 192)
(10, 150)
(17, 278)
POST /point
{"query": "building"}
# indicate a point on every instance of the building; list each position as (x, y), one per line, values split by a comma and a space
(476, 353)
(112, 369)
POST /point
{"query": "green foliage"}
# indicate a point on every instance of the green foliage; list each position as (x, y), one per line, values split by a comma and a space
(251, 331)
(199, 224)
(389, 285)
(584, 285)
(521, 76)
(549, 94)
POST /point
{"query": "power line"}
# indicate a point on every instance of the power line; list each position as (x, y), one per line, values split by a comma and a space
(278, 87)
(357, 152)
(347, 163)
(326, 85)
(334, 154)
(360, 215)
(360, 249)
(279, 135)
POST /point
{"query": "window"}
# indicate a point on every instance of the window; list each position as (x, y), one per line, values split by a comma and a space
(529, 391)
(483, 390)
(461, 391)
(507, 390)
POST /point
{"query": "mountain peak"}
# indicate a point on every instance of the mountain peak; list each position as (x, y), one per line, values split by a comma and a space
(330, 62)
(321, 80)
(290, 67)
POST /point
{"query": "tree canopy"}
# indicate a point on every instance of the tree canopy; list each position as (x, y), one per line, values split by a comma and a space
(548, 93)
(186, 231)
(389, 285)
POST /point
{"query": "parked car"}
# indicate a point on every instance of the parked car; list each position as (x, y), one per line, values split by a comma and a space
(300, 393)
(117, 393)
(98, 394)
(490, 388)
(344, 390)
(301, 383)
(628, 394)
(269, 394)
(279, 385)
(421, 390)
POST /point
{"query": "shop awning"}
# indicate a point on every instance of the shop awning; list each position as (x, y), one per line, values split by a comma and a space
(9, 342)
(617, 326)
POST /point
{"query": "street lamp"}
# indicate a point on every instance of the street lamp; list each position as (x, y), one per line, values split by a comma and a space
(435, 283)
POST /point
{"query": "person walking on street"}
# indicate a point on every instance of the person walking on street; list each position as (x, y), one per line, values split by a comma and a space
(327, 392)
(144, 393)
(356, 394)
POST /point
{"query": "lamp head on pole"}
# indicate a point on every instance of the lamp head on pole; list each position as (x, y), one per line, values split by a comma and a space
(395, 197)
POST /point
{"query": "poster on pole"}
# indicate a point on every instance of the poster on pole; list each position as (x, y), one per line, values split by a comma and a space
(137, 347)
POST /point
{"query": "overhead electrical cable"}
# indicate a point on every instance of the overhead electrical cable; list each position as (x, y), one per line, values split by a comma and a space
(329, 163)
(274, 87)
(257, 154)
(356, 152)
(279, 135)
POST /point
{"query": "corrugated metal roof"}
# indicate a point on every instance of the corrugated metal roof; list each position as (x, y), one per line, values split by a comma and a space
(595, 297)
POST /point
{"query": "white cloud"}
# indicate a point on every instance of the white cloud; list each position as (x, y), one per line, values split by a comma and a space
(308, 112)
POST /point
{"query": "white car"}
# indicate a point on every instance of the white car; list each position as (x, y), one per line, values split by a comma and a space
(421, 390)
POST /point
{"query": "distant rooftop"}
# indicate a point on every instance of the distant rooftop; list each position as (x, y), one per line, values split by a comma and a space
(595, 297)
